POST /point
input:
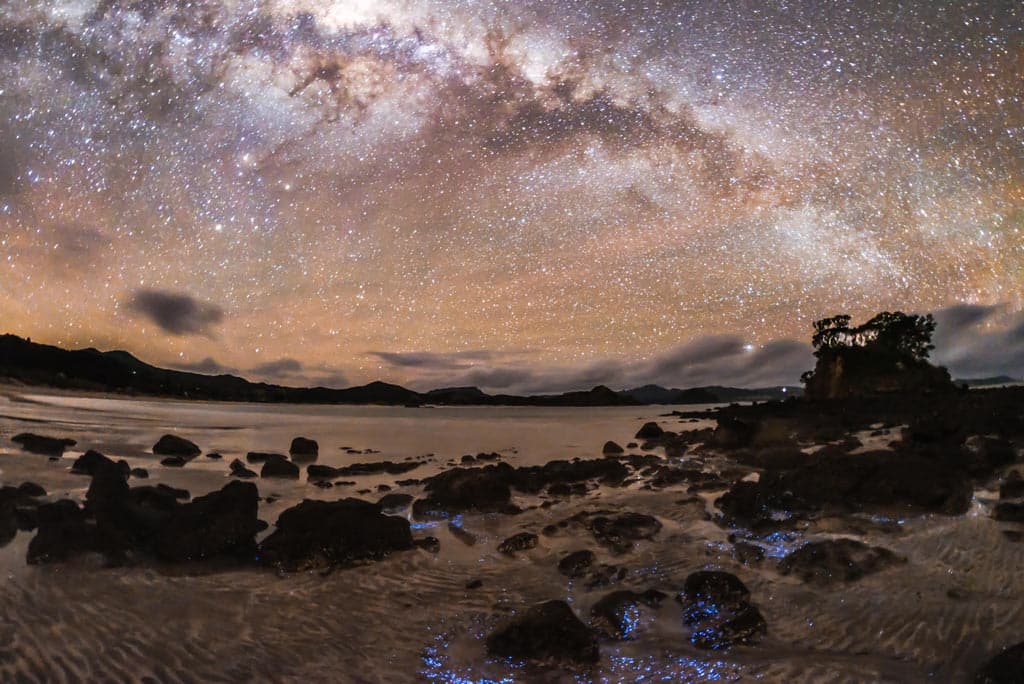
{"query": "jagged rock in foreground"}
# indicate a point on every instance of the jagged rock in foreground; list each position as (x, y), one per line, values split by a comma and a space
(39, 444)
(716, 607)
(837, 560)
(330, 533)
(1005, 668)
(548, 631)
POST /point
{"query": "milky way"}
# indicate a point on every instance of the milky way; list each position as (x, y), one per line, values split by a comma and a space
(522, 195)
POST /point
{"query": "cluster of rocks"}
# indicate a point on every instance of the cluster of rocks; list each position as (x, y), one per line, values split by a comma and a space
(716, 610)
(127, 524)
(489, 488)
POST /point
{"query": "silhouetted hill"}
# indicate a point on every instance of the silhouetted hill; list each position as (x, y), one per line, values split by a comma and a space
(988, 382)
(121, 372)
(714, 394)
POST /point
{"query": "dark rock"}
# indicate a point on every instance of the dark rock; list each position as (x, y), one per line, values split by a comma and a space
(220, 524)
(747, 554)
(173, 462)
(383, 488)
(547, 631)
(31, 489)
(1005, 668)
(617, 615)
(869, 481)
(619, 532)
(518, 542)
(713, 590)
(1009, 511)
(560, 489)
(109, 487)
(329, 533)
(577, 563)
(64, 531)
(321, 472)
(238, 469)
(279, 467)
(468, 458)
(263, 457)
(836, 560)
(214, 456)
(612, 448)
(604, 575)
(323, 484)
(716, 607)
(387, 467)
(87, 463)
(461, 489)
(430, 544)
(39, 444)
(474, 583)
(394, 502)
(139, 473)
(649, 431)
(733, 434)
(171, 445)
(304, 450)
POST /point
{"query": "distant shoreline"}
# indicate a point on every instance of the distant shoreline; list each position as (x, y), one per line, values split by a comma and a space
(118, 373)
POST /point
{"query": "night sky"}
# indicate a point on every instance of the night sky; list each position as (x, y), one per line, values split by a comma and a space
(526, 196)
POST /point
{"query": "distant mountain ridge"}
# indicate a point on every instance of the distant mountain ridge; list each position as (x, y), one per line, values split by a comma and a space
(121, 372)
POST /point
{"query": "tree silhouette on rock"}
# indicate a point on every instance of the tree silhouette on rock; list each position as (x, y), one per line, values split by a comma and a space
(888, 353)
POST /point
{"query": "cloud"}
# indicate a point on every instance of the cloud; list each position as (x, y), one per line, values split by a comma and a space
(278, 368)
(208, 366)
(433, 360)
(980, 341)
(176, 313)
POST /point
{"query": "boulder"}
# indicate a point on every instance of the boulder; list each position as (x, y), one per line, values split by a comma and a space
(238, 469)
(576, 564)
(173, 462)
(836, 560)
(64, 531)
(321, 472)
(619, 532)
(31, 490)
(39, 444)
(330, 533)
(716, 607)
(466, 489)
(394, 502)
(279, 467)
(548, 631)
(617, 615)
(87, 463)
(649, 431)
(139, 473)
(877, 480)
(221, 524)
(303, 449)
(612, 448)
(518, 542)
(172, 445)
(263, 457)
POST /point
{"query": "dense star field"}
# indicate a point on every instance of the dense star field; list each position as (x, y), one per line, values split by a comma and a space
(522, 195)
